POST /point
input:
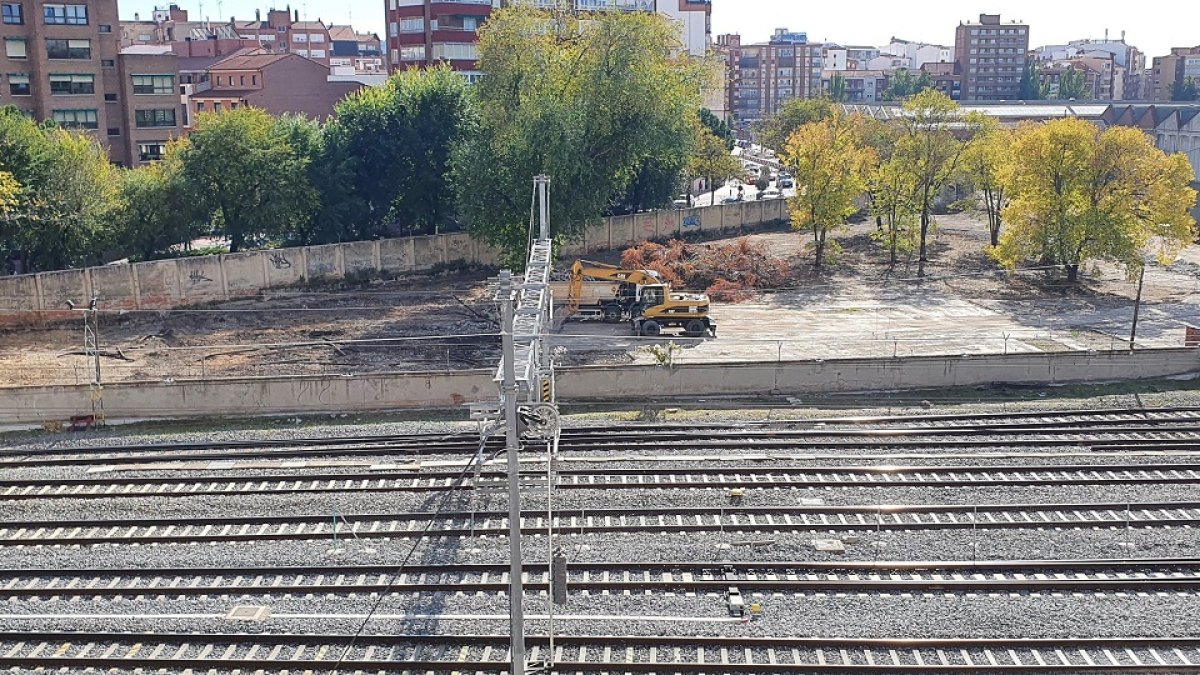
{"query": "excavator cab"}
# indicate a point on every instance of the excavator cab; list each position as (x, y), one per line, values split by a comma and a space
(652, 296)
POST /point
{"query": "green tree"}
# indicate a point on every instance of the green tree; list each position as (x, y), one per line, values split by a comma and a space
(589, 99)
(983, 164)
(155, 214)
(718, 127)
(384, 162)
(890, 191)
(244, 178)
(1081, 194)
(928, 148)
(905, 84)
(60, 214)
(837, 88)
(1186, 89)
(710, 159)
(1072, 85)
(793, 114)
(832, 164)
(1030, 88)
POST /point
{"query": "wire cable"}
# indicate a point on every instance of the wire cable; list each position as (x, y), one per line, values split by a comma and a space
(413, 549)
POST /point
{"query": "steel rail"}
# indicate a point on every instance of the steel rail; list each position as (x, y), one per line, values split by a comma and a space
(584, 521)
(647, 478)
(590, 654)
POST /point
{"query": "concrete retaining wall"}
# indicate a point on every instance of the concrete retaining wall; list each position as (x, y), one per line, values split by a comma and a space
(250, 396)
(164, 284)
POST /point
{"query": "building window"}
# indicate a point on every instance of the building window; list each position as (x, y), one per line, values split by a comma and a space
(316, 37)
(317, 53)
(110, 98)
(12, 14)
(105, 28)
(393, 29)
(114, 131)
(18, 84)
(15, 48)
(216, 106)
(411, 53)
(77, 119)
(154, 84)
(68, 49)
(158, 117)
(199, 106)
(416, 25)
(69, 15)
(107, 63)
(66, 85)
(299, 37)
(151, 152)
(254, 80)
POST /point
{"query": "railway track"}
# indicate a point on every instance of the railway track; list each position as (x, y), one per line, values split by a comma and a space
(765, 520)
(595, 654)
(648, 478)
(1067, 428)
(1094, 576)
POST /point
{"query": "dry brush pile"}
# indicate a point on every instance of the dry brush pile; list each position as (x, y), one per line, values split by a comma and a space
(727, 272)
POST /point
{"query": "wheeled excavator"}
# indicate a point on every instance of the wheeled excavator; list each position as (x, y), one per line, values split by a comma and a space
(613, 294)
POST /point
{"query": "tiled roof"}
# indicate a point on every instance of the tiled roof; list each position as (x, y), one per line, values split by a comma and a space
(251, 60)
(342, 33)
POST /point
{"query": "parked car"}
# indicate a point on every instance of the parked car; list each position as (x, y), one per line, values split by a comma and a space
(730, 200)
(681, 203)
(786, 183)
(771, 193)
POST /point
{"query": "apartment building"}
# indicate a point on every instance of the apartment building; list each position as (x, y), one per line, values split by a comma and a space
(838, 57)
(946, 78)
(1128, 62)
(154, 113)
(60, 63)
(1100, 76)
(762, 76)
(424, 32)
(1165, 71)
(915, 55)
(858, 86)
(361, 51)
(991, 56)
(278, 83)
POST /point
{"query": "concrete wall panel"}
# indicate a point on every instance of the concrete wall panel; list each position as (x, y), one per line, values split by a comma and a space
(18, 294)
(284, 266)
(732, 216)
(324, 262)
(689, 221)
(645, 226)
(59, 287)
(396, 255)
(427, 253)
(113, 284)
(200, 279)
(358, 257)
(459, 247)
(158, 284)
(244, 273)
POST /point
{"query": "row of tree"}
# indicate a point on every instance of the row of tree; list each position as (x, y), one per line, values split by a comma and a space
(602, 103)
(1056, 194)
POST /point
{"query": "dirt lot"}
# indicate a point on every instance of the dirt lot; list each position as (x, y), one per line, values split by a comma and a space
(858, 307)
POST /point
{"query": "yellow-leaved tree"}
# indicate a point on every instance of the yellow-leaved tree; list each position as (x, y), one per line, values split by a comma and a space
(1080, 194)
(831, 163)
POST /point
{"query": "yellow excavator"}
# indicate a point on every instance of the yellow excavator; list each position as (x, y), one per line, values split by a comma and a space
(612, 294)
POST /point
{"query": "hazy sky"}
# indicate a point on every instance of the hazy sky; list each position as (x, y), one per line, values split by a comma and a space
(1153, 27)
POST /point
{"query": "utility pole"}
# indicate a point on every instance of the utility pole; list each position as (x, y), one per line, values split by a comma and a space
(91, 350)
(509, 391)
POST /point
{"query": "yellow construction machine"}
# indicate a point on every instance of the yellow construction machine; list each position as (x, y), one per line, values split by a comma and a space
(612, 294)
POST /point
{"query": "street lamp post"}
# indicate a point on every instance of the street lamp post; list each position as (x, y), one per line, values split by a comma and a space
(1137, 303)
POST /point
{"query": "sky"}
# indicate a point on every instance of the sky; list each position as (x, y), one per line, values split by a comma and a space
(1153, 28)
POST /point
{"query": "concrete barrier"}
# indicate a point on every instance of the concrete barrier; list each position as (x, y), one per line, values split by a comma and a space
(390, 391)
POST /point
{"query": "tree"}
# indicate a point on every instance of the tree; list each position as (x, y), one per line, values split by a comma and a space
(905, 84)
(244, 178)
(718, 127)
(793, 114)
(65, 193)
(890, 191)
(928, 148)
(385, 161)
(710, 159)
(837, 88)
(589, 99)
(1187, 89)
(1072, 85)
(1030, 88)
(983, 164)
(1080, 194)
(831, 164)
(155, 214)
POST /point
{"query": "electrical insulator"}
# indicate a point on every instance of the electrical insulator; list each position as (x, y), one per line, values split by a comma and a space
(558, 576)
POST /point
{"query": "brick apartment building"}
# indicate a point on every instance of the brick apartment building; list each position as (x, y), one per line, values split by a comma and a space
(421, 33)
(991, 56)
(277, 83)
(762, 76)
(1165, 71)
